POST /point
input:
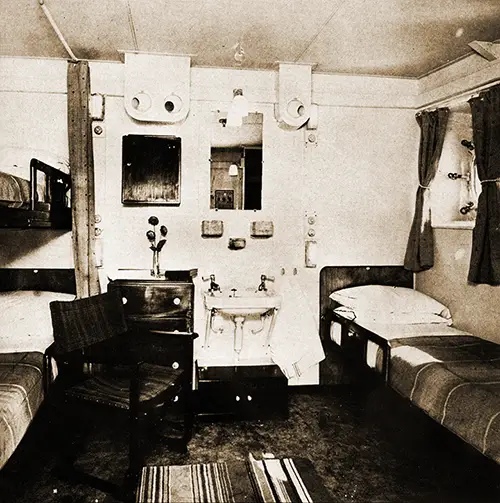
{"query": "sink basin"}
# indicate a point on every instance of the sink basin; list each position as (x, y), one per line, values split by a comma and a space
(243, 304)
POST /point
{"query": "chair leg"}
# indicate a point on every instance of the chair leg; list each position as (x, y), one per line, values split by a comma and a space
(136, 455)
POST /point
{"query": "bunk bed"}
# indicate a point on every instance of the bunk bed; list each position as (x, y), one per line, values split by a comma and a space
(451, 375)
(38, 199)
(25, 333)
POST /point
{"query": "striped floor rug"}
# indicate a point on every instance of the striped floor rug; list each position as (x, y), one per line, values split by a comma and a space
(198, 483)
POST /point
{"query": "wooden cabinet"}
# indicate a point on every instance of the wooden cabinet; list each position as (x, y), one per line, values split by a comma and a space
(160, 317)
(242, 392)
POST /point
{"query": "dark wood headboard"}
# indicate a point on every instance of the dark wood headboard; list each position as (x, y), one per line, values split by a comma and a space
(334, 278)
(50, 280)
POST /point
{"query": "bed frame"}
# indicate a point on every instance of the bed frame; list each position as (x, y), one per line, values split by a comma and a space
(50, 280)
(334, 278)
(53, 213)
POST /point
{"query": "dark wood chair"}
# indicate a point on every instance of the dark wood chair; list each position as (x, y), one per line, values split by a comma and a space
(98, 369)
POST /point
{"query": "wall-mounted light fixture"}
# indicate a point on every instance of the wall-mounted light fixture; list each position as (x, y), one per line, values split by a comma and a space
(238, 109)
(233, 169)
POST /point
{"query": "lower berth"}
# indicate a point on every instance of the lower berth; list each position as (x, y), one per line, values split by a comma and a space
(456, 381)
(374, 318)
(25, 333)
(21, 394)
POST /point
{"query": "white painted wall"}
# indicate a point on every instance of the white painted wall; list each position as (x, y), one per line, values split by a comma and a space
(474, 307)
(359, 177)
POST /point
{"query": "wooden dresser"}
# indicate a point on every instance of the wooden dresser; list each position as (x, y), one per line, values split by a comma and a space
(159, 315)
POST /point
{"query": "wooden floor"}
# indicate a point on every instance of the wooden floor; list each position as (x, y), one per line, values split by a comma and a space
(368, 445)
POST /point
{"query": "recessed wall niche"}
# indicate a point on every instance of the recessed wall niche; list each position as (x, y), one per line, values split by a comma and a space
(151, 170)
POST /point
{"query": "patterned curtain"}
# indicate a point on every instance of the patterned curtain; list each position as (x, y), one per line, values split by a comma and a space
(485, 255)
(82, 178)
(420, 249)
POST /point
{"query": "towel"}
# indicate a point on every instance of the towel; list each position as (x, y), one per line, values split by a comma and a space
(295, 343)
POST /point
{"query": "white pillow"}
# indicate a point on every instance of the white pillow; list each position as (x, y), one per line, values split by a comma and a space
(392, 318)
(390, 302)
(25, 321)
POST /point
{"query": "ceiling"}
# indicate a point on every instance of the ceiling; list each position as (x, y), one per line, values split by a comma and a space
(404, 38)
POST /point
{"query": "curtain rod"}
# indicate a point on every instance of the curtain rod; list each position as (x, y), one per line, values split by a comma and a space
(56, 29)
(459, 97)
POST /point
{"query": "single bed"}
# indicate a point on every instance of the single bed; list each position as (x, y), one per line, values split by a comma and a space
(25, 333)
(38, 197)
(450, 374)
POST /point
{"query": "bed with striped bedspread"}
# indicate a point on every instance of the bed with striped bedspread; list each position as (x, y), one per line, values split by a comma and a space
(456, 381)
(21, 393)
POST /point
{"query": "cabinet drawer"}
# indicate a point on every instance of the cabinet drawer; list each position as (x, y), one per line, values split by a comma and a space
(246, 392)
(164, 349)
(241, 400)
(155, 299)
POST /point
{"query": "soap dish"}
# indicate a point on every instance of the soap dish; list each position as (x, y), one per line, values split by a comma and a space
(212, 228)
(262, 229)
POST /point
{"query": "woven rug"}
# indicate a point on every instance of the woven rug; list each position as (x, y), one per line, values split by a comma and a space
(267, 480)
(199, 483)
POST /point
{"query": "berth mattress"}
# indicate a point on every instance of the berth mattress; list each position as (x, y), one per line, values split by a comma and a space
(456, 381)
(21, 393)
(14, 191)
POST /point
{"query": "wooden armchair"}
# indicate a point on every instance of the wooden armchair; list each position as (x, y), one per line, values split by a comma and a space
(97, 369)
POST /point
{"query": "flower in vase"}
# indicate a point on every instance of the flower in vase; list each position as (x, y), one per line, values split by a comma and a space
(151, 235)
(156, 246)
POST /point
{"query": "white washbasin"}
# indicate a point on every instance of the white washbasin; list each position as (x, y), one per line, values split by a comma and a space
(242, 304)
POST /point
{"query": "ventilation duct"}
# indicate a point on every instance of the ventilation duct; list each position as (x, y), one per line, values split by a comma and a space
(157, 87)
(293, 109)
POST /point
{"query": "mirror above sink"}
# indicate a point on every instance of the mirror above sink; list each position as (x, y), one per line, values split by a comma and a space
(236, 163)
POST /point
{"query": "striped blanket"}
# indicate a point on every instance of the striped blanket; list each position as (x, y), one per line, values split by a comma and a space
(21, 393)
(456, 381)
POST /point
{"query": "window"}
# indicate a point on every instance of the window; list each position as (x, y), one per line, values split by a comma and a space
(456, 187)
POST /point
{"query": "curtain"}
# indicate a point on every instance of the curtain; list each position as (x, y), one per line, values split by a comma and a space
(485, 255)
(82, 178)
(420, 249)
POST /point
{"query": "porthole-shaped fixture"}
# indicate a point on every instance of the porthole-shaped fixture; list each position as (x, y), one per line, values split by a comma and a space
(141, 102)
(172, 104)
(295, 108)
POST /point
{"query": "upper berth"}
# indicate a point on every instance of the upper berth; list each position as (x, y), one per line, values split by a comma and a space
(34, 190)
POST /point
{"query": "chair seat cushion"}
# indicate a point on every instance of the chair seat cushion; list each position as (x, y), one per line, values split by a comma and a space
(155, 383)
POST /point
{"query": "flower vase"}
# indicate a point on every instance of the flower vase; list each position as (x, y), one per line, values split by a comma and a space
(155, 271)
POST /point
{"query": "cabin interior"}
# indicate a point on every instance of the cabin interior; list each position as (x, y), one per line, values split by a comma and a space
(264, 144)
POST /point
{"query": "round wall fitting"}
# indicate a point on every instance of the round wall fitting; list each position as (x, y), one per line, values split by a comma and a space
(141, 102)
(295, 108)
(172, 104)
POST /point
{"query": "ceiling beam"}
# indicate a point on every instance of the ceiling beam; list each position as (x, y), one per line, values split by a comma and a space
(488, 50)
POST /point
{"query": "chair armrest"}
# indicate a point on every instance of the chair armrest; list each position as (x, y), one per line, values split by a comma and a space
(47, 368)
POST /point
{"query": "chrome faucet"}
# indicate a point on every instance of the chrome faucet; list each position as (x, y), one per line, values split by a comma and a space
(214, 287)
(263, 278)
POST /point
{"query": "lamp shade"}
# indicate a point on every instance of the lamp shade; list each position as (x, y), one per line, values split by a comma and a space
(240, 103)
(233, 170)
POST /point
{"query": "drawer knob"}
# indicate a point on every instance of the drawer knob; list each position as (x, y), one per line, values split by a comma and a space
(175, 365)
(177, 301)
(249, 398)
(124, 300)
(237, 398)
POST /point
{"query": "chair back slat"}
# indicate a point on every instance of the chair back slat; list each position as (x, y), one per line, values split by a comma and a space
(83, 322)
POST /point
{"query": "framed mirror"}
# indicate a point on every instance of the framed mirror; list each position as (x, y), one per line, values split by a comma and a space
(236, 163)
(151, 168)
